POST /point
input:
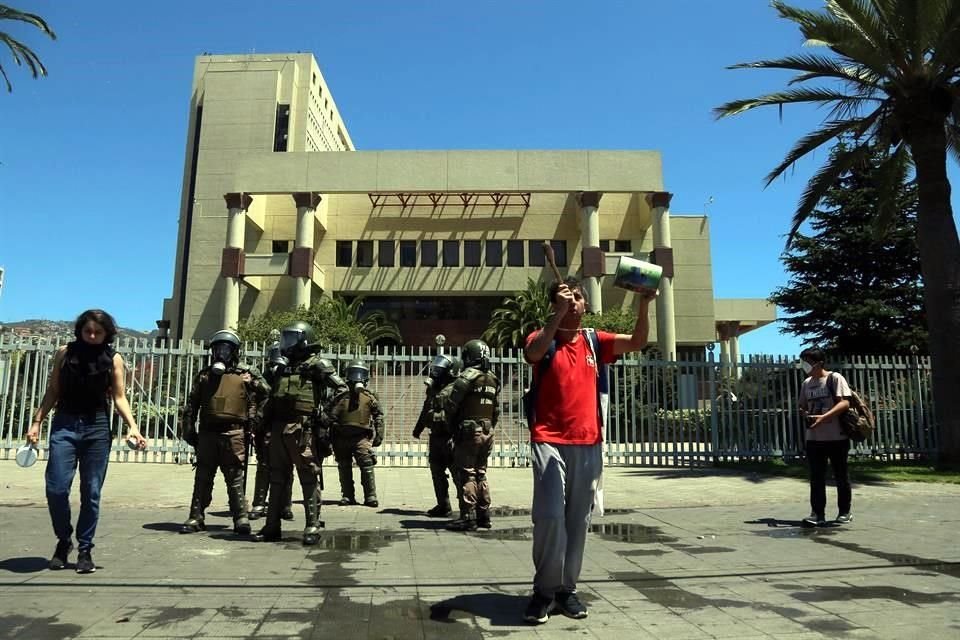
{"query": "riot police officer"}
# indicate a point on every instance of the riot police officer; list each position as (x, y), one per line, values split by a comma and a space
(294, 416)
(357, 423)
(443, 370)
(228, 398)
(261, 441)
(471, 405)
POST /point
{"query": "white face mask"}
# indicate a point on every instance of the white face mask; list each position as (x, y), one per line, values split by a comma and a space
(807, 367)
(218, 368)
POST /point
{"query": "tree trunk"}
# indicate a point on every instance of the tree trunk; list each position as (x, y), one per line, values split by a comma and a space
(940, 265)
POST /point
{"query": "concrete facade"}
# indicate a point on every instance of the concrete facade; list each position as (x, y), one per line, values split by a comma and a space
(265, 221)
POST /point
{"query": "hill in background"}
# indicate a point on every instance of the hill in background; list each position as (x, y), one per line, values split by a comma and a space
(52, 329)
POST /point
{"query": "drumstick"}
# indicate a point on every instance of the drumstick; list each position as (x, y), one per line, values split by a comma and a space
(548, 252)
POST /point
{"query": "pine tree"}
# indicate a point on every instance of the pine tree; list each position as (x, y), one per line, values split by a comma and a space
(855, 284)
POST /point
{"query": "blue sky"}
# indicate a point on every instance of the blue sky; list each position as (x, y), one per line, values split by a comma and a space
(92, 156)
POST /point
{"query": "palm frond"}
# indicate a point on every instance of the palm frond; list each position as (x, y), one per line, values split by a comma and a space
(890, 177)
(9, 13)
(791, 96)
(812, 141)
(820, 183)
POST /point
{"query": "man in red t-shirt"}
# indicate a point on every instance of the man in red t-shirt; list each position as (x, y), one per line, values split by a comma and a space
(565, 443)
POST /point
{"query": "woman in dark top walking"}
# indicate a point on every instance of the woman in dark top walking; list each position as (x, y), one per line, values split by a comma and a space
(87, 374)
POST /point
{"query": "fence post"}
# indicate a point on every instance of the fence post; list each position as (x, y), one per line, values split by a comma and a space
(712, 398)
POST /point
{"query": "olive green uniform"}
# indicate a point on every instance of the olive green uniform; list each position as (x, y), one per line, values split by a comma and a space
(471, 404)
(357, 427)
(229, 407)
(439, 449)
(261, 485)
(297, 440)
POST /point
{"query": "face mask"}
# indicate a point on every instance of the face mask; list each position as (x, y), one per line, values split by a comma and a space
(806, 366)
(218, 368)
(357, 386)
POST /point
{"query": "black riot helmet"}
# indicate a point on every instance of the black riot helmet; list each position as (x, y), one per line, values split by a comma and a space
(444, 368)
(295, 338)
(225, 347)
(476, 353)
(357, 372)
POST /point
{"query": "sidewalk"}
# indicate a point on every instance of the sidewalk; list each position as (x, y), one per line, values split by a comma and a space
(679, 554)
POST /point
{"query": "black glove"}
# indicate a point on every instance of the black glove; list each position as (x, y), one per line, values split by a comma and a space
(191, 437)
(417, 431)
(378, 437)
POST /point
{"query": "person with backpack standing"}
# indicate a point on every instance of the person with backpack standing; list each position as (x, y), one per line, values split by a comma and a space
(824, 397)
(566, 440)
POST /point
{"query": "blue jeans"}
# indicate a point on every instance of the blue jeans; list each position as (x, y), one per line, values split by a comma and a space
(77, 440)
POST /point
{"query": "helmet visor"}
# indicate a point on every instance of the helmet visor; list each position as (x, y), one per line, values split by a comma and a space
(440, 367)
(223, 352)
(290, 339)
(357, 374)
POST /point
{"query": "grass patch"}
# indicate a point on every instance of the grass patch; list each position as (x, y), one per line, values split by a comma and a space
(861, 470)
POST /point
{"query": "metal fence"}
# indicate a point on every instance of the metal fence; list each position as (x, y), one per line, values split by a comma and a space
(662, 413)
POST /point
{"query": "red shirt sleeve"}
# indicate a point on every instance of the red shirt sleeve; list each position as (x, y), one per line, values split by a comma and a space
(606, 347)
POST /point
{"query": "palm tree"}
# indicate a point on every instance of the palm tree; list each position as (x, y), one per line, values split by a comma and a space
(22, 54)
(893, 78)
(374, 325)
(519, 315)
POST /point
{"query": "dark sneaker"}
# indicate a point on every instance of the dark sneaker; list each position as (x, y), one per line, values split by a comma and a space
(347, 502)
(59, 559)
(268, 534)
(440, 511)
(85, 563)
(286, 514)
(538, 611)
(845, 518)
(814, 520)
(570, 605)
(484, 523)
(258, 512)
(372, 503)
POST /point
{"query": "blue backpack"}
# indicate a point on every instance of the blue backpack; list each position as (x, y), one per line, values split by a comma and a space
(603, 386)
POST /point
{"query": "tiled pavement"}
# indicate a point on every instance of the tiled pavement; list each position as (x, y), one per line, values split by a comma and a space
(679, 554)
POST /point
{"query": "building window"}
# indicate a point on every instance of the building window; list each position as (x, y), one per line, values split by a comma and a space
(622, 246)
(408, 253)
(494, 253)
(365, 253)
(282, 127)
(514, 253)
(472, 250)
(280, 246)
(428, 253)
(386, 253)
(344, 253)
(451, 253)
(605, 246)
(536, 255)
(559, 252)
(314, 78)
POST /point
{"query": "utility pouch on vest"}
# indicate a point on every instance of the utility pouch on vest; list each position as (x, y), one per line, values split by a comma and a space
(228, 403)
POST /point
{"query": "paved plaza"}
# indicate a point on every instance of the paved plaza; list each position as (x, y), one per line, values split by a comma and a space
(678, 554)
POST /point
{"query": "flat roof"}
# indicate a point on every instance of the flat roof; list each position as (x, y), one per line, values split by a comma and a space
(448, 171)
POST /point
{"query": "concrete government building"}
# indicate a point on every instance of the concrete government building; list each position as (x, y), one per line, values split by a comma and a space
(278, 208)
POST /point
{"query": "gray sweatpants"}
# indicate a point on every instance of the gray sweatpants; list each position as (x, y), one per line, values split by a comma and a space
(564, 483)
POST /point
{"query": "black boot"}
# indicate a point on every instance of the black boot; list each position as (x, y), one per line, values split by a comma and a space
(440, 489)
(202, 493)
(369, 483)
(261, 486)
(236, 499)
(463, 524)
(271, 531)
(287, 512)
(311, 508)
(348, 494)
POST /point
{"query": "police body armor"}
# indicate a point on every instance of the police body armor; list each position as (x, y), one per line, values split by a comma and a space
(358, 412)
(480, 404)
(225, 399)
(293, 398)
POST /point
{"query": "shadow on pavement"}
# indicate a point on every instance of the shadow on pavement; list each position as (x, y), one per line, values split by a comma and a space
(24, 565)
(174, 527)
(404, 512)
(501, 609)
(426, 523)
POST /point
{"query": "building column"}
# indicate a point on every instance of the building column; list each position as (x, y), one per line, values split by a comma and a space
(301, 260)
(663, 255)
(231, 264)
(728, 333)
(590, 242)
